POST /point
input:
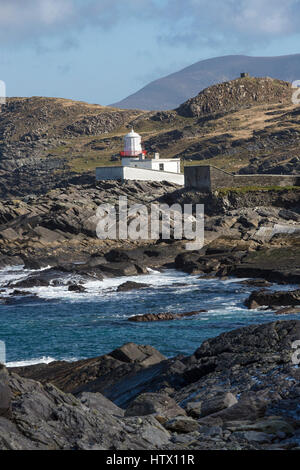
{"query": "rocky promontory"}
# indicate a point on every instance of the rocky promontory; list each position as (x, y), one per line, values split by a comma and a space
(239, 390)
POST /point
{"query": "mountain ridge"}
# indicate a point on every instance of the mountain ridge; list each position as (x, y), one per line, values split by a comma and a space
(170, 91)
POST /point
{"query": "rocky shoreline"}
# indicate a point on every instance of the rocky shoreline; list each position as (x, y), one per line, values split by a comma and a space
(239, 390)
(248, 235)
(254, 234)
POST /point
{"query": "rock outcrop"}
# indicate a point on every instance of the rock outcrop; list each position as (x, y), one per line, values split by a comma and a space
(131, 285)
(273, 299)
(236, 94)
(164, 316)
(239, 390)
(246, 235)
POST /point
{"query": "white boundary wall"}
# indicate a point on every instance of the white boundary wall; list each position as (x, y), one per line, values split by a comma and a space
(132, 173)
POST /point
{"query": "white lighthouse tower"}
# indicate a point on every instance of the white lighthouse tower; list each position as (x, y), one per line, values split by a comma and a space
(132, 145)
(136, 165)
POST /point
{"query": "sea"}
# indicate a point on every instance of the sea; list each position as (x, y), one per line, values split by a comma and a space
(60, 325)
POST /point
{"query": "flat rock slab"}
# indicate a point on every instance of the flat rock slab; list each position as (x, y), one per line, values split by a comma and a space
(148, 317)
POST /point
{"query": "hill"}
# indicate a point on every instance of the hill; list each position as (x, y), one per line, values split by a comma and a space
(245, 125)
(235, 95)
(43, 141)
(170, 91)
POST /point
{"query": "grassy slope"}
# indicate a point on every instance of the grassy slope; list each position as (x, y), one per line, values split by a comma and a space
(84, 152)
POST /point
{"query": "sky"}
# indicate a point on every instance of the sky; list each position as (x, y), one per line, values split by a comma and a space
(101, 51)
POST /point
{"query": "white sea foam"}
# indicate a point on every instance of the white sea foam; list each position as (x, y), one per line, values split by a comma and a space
(108, 286)
(40, 360)
(31, 362)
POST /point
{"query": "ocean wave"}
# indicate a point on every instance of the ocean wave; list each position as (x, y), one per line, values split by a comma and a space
(40, 360)
(31, 362)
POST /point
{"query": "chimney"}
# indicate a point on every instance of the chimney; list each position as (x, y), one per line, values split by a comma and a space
(156, 156)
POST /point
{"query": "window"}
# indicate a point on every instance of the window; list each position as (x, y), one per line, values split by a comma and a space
(161, 167)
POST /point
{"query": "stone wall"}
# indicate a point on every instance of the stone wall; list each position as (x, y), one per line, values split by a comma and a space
(109, 173)
(210, 178)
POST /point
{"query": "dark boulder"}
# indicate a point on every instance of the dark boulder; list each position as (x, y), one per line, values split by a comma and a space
(76, 288)
(17, 292)
(116, 256)
(130, 285)
(256, 283)
(159, 404)
(144, 355)
(182, 425)
(97, 401)
(273, 299)
(118, 269)
(249, 407)
(164, 316)
(32, 281)
(200, 409)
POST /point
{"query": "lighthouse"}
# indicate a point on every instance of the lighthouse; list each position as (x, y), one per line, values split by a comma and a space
(132, 145)
(137, 165)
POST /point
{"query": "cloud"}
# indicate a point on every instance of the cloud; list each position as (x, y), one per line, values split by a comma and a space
(221, 22)
(209, 23)
(30, 19)
(25, 18)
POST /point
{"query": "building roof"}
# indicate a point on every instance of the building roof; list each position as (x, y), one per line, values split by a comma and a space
(132, 134)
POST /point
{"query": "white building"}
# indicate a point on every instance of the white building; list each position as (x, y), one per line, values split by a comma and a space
(137, 166)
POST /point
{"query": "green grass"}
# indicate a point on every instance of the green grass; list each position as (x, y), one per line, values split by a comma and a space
(224, 162)
(247, 189)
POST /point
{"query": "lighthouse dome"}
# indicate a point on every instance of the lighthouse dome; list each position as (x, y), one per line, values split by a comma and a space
(132, 144)
(132, 134)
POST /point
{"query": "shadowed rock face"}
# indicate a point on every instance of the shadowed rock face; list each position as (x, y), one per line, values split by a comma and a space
(239, 390)
(46, 418)
(159, 404)
(90, 374)
(273, 299)
(5, 393)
